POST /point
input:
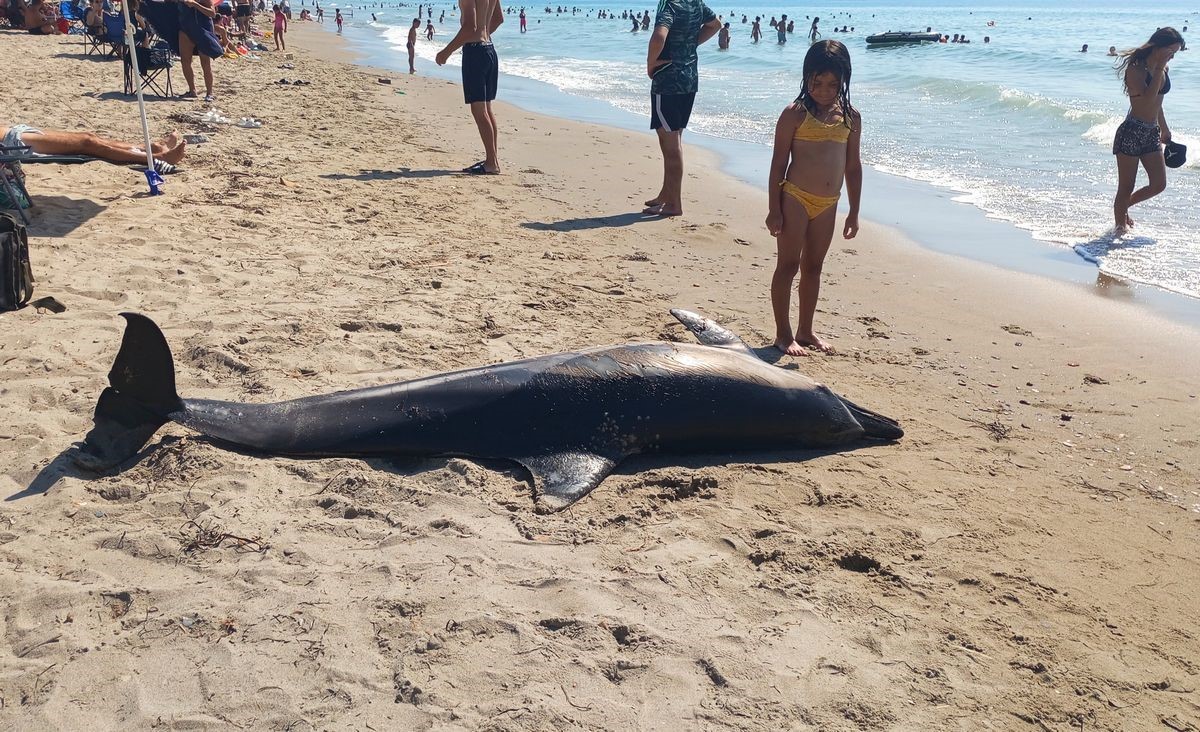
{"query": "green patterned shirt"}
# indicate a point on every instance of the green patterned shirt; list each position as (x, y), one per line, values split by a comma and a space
(682, 19)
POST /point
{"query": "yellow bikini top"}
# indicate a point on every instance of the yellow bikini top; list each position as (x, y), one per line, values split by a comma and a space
(813, 130)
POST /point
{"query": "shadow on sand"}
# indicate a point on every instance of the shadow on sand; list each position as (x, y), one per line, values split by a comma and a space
(391, 174)
(592, 222)
(59, 215)
(64, 465)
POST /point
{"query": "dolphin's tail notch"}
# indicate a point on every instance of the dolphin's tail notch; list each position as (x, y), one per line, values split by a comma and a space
(875, 426)
(139, 399)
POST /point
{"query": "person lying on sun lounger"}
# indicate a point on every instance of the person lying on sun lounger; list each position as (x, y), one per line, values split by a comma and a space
(169, 149)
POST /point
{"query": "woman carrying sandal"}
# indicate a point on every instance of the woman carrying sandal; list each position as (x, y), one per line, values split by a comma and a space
(1141, 136)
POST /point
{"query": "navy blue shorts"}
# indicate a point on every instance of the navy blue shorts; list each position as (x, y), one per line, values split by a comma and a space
(670, 112)
(480, 72)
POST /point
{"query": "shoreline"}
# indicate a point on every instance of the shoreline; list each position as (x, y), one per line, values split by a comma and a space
(1025, 552)
(894, 198)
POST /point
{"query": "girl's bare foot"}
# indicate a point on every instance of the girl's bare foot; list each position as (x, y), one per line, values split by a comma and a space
(790, 347)
(812, 341)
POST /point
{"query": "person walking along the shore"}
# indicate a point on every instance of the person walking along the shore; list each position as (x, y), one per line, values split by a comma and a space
(816, 148)
(1141, 136)
(674, 68)
(480, 73)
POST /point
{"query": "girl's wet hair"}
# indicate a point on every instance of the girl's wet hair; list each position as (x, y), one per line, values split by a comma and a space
(1162, 38)
(832, 57)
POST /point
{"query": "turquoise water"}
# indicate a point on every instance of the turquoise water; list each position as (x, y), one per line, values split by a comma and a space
(1020, 127)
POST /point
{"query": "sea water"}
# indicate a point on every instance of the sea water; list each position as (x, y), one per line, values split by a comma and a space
(1020, 127)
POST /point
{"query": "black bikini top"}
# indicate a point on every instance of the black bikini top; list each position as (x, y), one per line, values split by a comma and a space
(1166, 85)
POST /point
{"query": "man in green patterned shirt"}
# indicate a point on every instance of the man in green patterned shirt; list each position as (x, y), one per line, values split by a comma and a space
(672, 64)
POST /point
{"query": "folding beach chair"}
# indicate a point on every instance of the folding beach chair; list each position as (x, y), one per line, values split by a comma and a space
(114, 32)
(153, 63)
(69, 12)
(95, 43)
(12, 177)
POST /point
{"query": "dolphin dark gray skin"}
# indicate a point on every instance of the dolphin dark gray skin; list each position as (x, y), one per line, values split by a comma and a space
(569, 418)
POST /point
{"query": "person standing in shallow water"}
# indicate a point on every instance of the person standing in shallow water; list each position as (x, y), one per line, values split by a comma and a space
(1140, 137)
(480, 74)
(412, 45)
(674, 70)
(816, 149)
(756, 31)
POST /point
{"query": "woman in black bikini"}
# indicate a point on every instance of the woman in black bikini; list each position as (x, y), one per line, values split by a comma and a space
(1140, 137)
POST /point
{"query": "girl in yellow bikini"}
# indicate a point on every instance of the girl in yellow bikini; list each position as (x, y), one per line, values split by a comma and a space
(816, 148)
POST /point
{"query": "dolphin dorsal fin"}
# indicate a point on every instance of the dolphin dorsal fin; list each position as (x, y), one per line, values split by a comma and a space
(709, 333)
(561, 478)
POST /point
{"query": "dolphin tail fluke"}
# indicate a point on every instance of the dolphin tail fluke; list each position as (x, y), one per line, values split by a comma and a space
(875, 426)
(139, 398)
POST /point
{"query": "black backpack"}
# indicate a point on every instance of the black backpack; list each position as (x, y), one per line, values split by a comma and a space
(16, 276)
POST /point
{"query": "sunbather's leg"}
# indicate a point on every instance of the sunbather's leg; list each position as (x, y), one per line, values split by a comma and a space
(87, 143)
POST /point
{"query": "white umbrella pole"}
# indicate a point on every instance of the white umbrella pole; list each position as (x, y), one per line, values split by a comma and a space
(137, 81)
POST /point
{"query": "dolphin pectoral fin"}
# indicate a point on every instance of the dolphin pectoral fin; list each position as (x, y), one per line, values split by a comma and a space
(562, 478)
(709, 333)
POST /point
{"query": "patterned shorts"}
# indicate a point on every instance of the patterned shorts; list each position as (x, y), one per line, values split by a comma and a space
(1136, 138)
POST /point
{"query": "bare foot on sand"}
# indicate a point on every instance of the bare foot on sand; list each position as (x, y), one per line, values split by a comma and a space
(662, 210)
(790, 347)
(811, 340)
(175, 154)
(171, 140)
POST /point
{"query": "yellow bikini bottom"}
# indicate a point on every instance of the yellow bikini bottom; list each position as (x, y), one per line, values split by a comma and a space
(813, 204)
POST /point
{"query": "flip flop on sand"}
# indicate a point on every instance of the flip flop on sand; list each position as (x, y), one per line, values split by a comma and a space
(479, 169)
(162, 167)
(212, 116)
(249, 123)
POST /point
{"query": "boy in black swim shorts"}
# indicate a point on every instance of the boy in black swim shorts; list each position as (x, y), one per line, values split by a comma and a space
(672, 64)
(480, 72)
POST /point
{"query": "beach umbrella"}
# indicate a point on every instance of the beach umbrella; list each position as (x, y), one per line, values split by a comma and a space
(152, 177)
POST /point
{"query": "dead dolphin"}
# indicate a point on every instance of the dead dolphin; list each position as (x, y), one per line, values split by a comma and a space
(569, 418)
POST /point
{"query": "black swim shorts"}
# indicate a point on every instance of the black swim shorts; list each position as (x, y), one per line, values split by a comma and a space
(670, 112)
(244, 11)
(1136, 138)
(480, 72)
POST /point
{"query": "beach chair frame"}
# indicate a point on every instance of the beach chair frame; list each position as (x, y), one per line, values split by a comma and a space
(153, 63)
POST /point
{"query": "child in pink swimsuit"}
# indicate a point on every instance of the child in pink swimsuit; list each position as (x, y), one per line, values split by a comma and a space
(280, 28)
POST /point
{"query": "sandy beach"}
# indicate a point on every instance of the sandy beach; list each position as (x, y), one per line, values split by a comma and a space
(1024, 559)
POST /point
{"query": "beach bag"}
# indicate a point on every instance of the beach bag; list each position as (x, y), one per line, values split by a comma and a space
(16, 276)
(16, 178)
